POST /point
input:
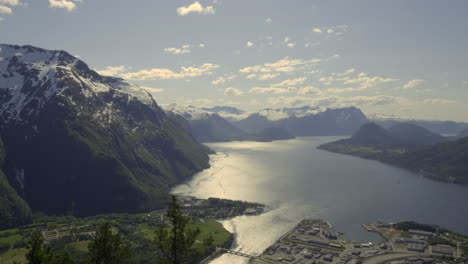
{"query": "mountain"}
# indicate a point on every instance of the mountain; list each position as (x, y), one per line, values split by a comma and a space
(438, 127)
(412, 135)
(402, 135)
(447, 161)
(429, 154)
(372, 135)
(463, 134)
(80, 143)
(306, 121)
(229, 113)
(206, 126)
(14, 210)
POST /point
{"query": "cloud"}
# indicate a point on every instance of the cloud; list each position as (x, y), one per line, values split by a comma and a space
(439, 101)
(151, 89)
(290, 82)
(5, 10)
(317, 30)
(309, 90)
(196, 7)
(268, 20)
(112, 70)
(12, 2)
(159, 73)
(262, 90)
(285, 65)
(323, 100)
(267, 76)
(182, 50)
(347, 72)
(366, 82)
(220, 80)
(69, 5)
(413, 83)
(249, 44)
(233, 91)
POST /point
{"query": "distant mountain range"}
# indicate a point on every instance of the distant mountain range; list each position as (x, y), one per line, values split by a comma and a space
(207, 124)
(211, 127)
(409, 146)
(439, 127)
(79, 143)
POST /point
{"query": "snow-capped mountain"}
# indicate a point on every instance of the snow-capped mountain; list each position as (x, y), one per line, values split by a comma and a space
(84, 143)
(206, 126)
(306, 121)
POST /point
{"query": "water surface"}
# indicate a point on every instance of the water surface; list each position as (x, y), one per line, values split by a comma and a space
(297, 181)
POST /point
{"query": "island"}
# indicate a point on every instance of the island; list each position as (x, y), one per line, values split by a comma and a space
(314, 241)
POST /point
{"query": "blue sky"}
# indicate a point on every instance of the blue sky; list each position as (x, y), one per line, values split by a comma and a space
(405, 58)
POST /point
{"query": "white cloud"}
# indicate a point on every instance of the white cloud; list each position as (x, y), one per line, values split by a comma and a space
(69, 5)
(262, 90)
(113, 70)
(366, 82)
(5, 10)
(309, 90)
(285, 65)
(160, 73)
(196, 7)
(11, 2)
(152, 89)
(220, 80)
(267, 76)
(317, 30)
(413, 83)
(268, 20)
(439, 101)
(249, 44)
(232, 91)
(347, 72)
(323, 100)
(290, 82)
(182, 50)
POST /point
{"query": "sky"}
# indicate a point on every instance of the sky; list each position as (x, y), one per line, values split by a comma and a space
(391, 58)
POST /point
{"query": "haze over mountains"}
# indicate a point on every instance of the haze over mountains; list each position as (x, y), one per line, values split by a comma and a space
(80, 143)
(228, 123)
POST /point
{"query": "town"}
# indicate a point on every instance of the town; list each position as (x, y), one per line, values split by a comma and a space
(316, 242)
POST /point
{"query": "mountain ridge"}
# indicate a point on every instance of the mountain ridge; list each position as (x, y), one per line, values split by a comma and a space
(100, 143)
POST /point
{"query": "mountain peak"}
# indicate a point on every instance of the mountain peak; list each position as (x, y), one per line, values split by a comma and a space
(30, 77)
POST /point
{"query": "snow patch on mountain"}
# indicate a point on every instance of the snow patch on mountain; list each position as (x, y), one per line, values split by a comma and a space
(187, 112)
(30, 77)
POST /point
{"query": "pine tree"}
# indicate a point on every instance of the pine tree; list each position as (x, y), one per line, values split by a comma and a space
(38, 253)
(176, 242)
(108, 248)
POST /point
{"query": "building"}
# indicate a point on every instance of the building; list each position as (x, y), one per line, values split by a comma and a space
(442, 249)
(416, 248)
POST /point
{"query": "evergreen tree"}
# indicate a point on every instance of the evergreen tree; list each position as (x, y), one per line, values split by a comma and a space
(108, 248)
(176, 242)
(38, 253)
